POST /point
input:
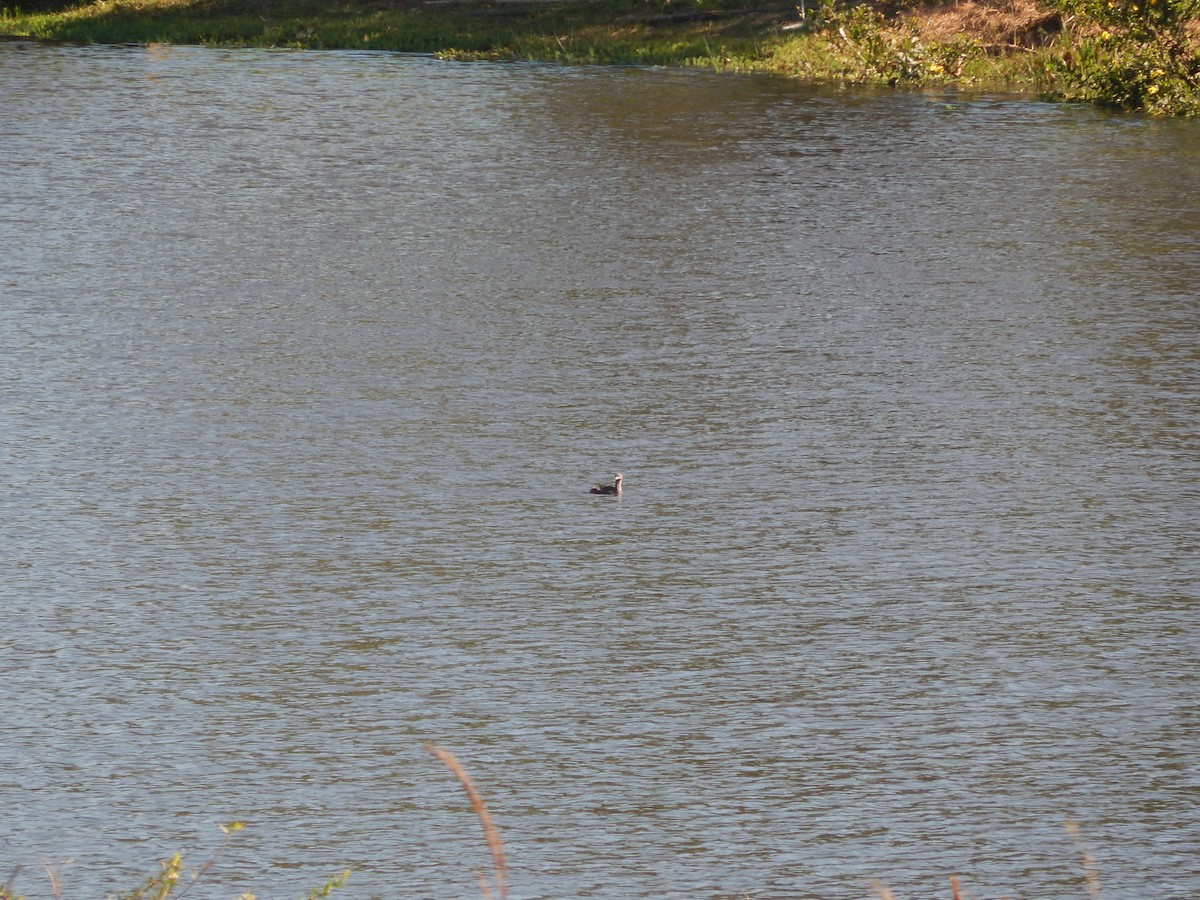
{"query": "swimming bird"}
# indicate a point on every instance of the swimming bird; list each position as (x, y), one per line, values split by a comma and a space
(614, 488)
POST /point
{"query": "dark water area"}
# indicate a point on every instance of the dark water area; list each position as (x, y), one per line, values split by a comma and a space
(307, 361)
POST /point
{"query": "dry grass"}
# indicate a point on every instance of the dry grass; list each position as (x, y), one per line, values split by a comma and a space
(999, 26)
(499, 865)
(490, 832)
(1091, 876)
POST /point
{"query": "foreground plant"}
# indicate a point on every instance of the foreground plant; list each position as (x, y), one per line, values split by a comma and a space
(490, 832)
(164, 882)
(161, 884)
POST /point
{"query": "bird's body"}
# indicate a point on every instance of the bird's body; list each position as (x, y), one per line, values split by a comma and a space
(614, 488)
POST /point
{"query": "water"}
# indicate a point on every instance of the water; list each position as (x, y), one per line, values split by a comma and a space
(308, 359)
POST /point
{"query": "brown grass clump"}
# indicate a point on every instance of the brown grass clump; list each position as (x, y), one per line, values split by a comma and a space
(998, 26)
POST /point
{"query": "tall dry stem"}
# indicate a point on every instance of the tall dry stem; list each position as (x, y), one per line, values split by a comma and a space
(1089, 868)
(490, 832)
(54, 873)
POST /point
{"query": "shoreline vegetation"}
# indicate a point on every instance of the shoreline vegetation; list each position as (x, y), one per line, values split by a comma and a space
(1133, 55)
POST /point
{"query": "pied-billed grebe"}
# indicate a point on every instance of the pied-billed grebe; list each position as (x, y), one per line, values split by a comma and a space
(614, 488)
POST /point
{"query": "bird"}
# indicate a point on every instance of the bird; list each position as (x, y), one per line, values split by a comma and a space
(614, 488)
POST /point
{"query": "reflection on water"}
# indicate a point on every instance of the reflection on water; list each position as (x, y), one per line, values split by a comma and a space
(307, 361)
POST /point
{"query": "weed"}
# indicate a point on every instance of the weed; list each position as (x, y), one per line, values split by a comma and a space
(164, 882)
(329, 887)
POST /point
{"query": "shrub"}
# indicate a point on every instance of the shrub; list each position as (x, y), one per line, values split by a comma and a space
(1142, 60)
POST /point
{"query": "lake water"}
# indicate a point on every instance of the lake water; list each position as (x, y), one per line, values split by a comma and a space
(307, 361)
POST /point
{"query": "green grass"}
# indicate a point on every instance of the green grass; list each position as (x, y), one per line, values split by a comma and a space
(608, 31)
(1129, 54)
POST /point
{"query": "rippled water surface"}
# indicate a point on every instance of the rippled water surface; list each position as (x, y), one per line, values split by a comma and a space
(307, 361)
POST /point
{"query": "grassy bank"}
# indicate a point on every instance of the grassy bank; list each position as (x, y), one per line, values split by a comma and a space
(1140, 55)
